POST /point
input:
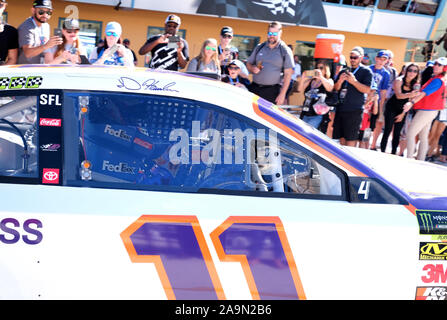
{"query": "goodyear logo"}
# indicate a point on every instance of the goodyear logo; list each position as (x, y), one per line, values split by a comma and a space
(432, 251)
(15, 83)
(432, 222)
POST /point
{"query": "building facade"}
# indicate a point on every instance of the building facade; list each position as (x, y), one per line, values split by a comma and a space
(374, 25)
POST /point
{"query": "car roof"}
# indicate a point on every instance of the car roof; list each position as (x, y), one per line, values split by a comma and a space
(189, 86)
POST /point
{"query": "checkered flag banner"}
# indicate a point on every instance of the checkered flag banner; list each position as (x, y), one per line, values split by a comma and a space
(34, 82)
(4, 82)
(279, 6)
(307, 12)
(17, 83)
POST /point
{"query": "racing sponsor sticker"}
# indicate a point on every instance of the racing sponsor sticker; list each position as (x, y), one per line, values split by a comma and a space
(50, 176)
(432, 251)
(432, 222)
(48, 122)
(434, 273)
(14, 83)
(431, 293)
(50, 147)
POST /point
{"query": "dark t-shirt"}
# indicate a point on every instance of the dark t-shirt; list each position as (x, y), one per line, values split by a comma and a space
(9, 39)
(166, 58)
(355, 99)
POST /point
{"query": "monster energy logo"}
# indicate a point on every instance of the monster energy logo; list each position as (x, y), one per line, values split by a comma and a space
(432, 222)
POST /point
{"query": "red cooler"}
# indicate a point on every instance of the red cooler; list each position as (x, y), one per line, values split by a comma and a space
(329, 46)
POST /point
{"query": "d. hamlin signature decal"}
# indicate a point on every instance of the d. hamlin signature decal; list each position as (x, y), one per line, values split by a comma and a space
(149, 85)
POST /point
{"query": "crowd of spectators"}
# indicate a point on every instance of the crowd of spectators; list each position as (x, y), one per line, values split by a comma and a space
(359, 105)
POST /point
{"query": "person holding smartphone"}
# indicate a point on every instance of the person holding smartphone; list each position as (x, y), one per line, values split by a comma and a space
(169, 51)
(315, 84)
(113, 52)
(353, 84)
(34, 34)
(70, 50)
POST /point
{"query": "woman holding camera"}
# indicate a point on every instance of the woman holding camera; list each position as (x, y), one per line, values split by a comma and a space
(70, 50)
(315, 84)
(113, 52)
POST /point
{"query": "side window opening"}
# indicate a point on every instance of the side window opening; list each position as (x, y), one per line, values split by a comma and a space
(18, 136)
(163, 143)
(279, 167)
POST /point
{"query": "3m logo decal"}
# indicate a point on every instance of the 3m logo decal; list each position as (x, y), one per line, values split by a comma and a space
(431, 293)
(432, 251)
(50, 176)
(434, 273)
(432, 222)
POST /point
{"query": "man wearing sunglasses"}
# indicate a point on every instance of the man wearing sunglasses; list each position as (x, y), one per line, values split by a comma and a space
(167, 55)
(272, 66)
(9, 42)
(352, 84)
(34, 34)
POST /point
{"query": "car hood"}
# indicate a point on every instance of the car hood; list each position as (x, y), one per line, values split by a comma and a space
(419, 179)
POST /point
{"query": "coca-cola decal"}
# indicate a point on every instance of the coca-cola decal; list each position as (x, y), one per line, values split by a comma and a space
(47, 122)
(50, 176)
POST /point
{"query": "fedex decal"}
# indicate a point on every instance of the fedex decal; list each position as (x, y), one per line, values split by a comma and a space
(50, 176)
(47, 122)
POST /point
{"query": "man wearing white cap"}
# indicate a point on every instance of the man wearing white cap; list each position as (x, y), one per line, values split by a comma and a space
(166, 54)
(352, 84)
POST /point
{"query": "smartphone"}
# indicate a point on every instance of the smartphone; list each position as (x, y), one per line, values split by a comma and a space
(58, 32)
(172, 42)
(113, 49)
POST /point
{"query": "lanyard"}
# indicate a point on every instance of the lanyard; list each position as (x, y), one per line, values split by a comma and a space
(232, 82)
(353, 72)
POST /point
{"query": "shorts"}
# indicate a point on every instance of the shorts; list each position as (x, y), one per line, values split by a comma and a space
(347, 125)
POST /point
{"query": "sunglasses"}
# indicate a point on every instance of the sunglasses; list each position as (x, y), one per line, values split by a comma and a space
(72, 31)
(272, 33)
(110, 33)
(413, 70)
(210, 48)
(42, 12)
(227, 36)
(438, 64)
(353, 57)
(320, 68)
(233, 68)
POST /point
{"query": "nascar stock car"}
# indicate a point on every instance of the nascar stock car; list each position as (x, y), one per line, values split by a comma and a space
(141, 184)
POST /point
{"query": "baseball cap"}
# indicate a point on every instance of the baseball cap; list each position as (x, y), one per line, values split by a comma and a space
(114, 27)
(71, 24)
(442, 61)
(42, 4)
(358, 50)
(226, 30)
(173, 18)
(237, 63)
(383, 53)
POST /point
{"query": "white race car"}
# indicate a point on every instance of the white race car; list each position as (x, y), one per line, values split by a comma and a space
(121, 183)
